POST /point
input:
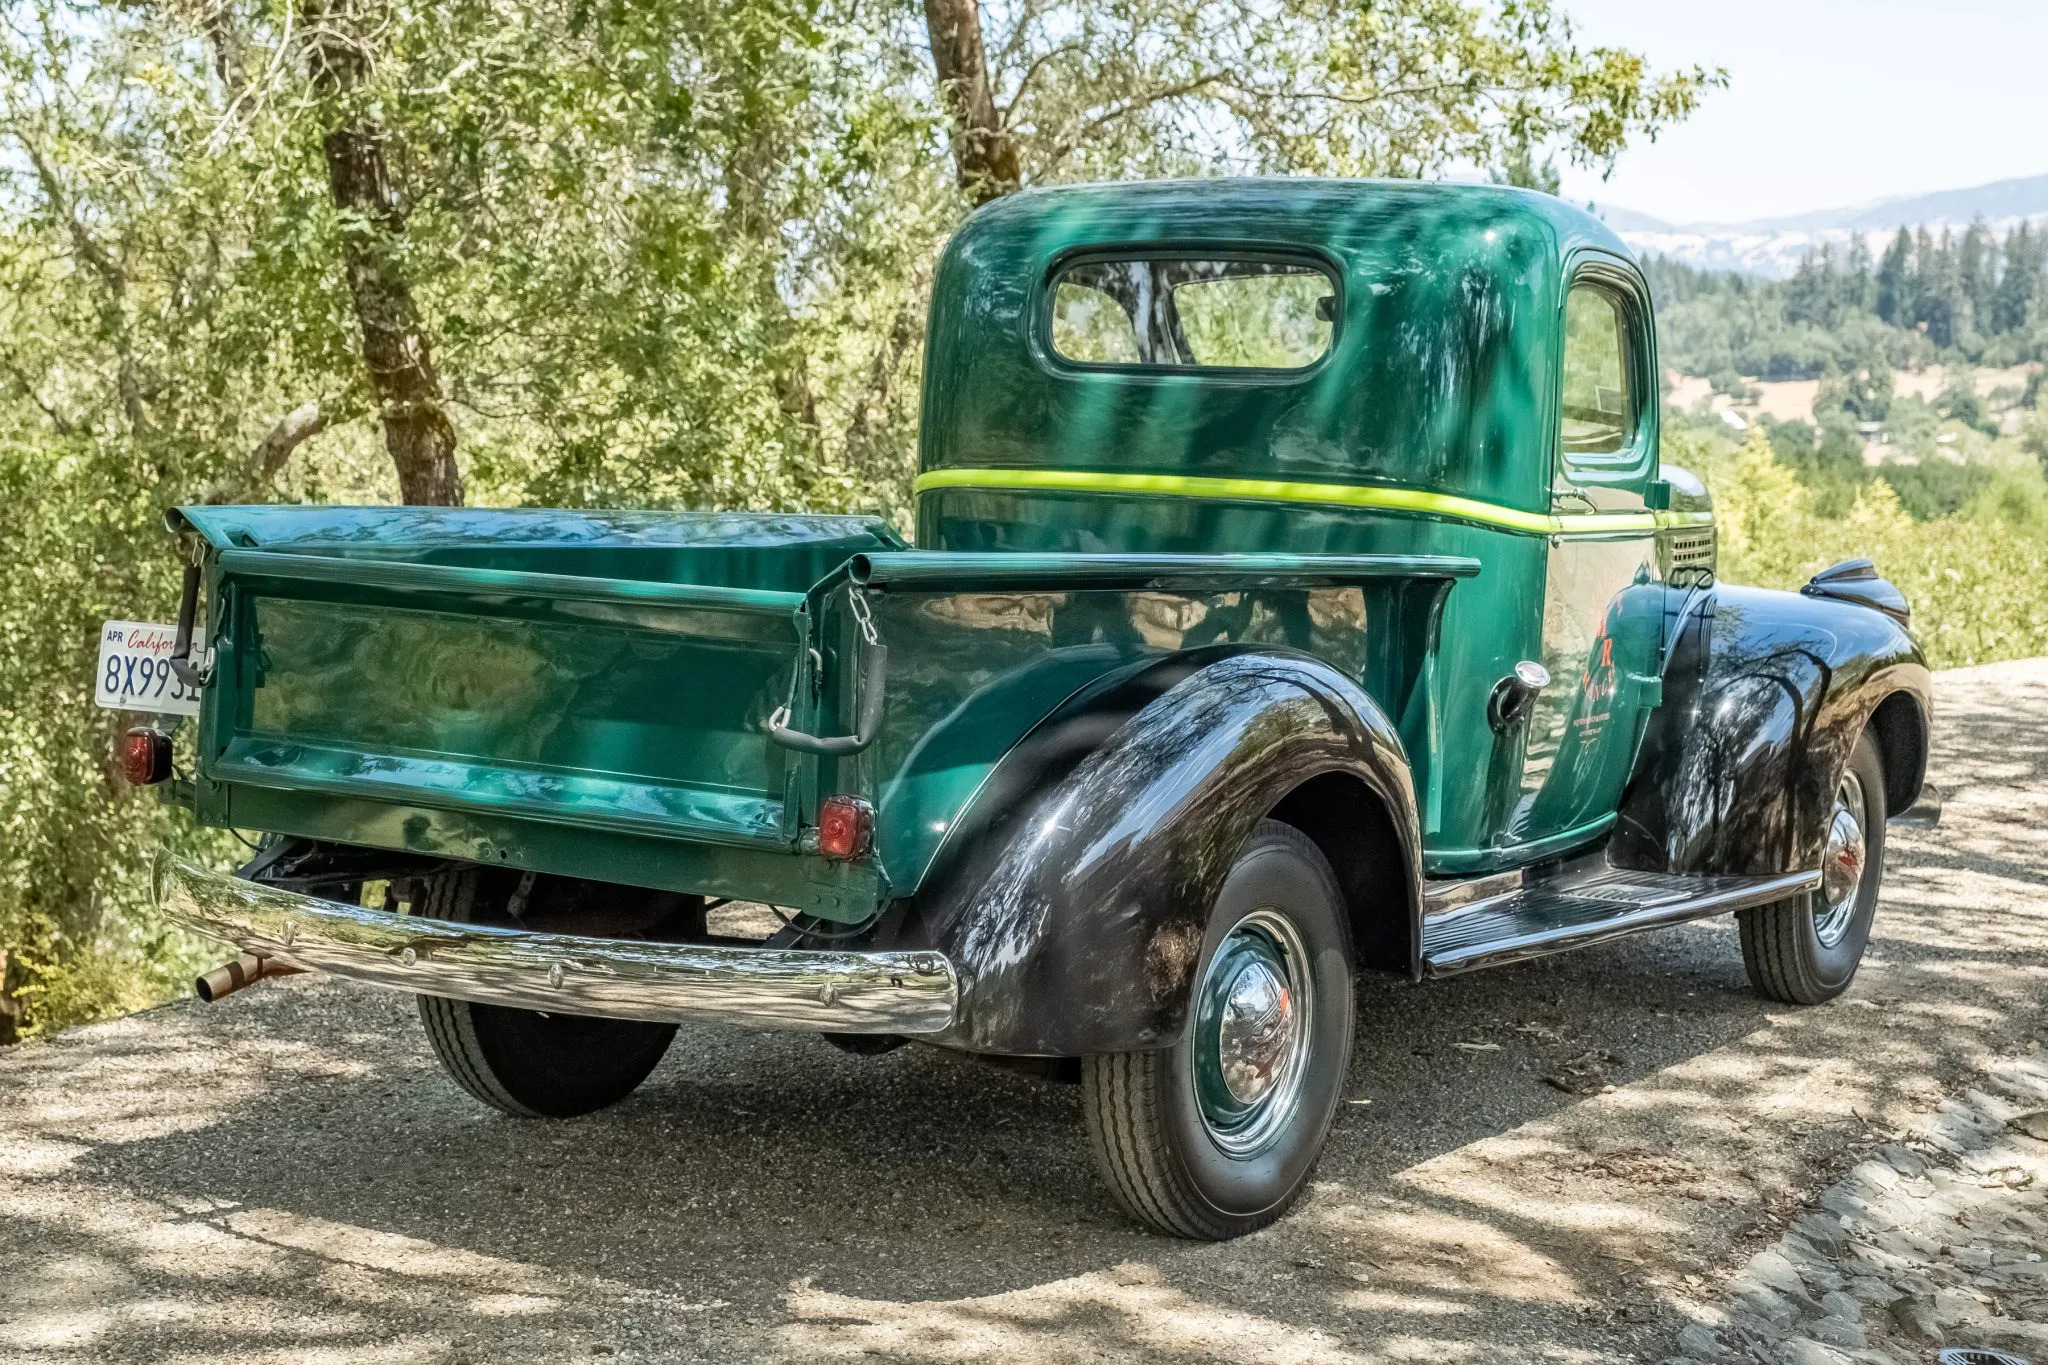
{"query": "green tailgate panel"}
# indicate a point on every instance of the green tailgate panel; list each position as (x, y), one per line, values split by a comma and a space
(610, 721)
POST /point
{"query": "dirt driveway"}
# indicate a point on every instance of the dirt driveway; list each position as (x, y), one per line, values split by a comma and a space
(287, 1177)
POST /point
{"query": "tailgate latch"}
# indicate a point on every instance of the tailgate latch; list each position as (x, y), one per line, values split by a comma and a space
(869, 722)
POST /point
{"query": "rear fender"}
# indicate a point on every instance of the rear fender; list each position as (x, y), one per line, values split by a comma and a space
(1075, 902)
(1765, 696)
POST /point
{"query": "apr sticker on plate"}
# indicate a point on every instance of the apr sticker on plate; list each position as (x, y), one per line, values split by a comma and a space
(135, 670)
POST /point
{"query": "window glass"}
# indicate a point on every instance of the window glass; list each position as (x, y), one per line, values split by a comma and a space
(1597, 420)
(1243, 314)
(1089, 325)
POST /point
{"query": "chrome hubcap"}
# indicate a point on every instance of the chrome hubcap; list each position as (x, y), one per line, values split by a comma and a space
(1841, 864)
(1251, 1028)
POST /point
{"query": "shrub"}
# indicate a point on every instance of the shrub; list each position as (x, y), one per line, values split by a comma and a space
(1977, 578)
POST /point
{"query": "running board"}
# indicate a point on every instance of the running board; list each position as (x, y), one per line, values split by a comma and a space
(1492, 920)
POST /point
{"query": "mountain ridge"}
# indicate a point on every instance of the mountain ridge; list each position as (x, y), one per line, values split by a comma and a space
(1772, 247)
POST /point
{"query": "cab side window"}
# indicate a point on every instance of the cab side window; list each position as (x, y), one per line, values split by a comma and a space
(1598, 415)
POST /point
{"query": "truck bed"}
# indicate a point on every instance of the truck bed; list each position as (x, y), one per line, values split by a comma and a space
(590, 693)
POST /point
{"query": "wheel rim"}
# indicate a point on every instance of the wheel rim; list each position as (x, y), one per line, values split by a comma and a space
(1252, 1023)
(1841, 864)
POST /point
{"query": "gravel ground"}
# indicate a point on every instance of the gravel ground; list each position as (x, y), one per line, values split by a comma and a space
(1935, 1241)
(287, 1177)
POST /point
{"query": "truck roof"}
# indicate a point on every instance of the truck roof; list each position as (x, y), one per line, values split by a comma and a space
(1311, 210)
(1440, 368)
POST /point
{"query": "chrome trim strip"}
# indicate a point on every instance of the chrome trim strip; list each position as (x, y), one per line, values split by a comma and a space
(767, 988)
(1442, 896)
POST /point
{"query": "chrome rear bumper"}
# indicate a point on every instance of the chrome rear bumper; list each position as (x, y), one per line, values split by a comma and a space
(777, 988)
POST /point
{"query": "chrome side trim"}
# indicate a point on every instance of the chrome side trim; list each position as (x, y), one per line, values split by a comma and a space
(1441, 896)
(769, 988)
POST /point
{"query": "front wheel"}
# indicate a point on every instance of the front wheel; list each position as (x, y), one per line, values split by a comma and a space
(524, 1062)
(1215, 1136)
(1805, 951)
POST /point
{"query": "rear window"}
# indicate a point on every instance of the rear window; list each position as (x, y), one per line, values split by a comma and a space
(1175, 313)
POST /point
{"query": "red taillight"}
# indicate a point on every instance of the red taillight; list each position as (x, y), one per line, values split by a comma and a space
(145, 756)
(845, 824)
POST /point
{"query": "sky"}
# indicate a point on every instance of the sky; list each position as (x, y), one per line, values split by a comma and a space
(1829, 102)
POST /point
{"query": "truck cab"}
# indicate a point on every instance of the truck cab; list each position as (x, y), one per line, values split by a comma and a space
(1319, 368)
(1295, 591)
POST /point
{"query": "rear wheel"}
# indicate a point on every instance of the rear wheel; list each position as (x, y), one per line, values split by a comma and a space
(524, 1062)
(1805, 951)
(1216, 1135)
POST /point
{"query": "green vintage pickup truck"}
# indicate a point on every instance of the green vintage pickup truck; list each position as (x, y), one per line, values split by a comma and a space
(1295, 592)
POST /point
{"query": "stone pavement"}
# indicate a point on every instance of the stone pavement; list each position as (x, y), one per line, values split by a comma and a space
(1935, 1241)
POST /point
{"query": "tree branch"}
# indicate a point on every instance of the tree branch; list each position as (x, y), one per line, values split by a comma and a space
(59, 423)
(1031, 73)
(293, 430)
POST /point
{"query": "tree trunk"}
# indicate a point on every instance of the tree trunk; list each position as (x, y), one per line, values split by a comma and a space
(984, 153)
(417, 432)
(221, 36)
(10, 1008)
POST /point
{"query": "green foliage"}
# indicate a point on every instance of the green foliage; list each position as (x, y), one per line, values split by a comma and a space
(1338, 87)
(1959, 402)
(1865, 394)
(75, 927)
(1977, 576)
(1972, 299)
(1936, 488)
(2034, 437)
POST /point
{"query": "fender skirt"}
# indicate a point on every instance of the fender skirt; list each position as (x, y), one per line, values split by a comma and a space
(1075, 908)
(1765, 696)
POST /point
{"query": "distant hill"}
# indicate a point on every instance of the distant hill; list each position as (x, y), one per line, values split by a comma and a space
(1771, 247)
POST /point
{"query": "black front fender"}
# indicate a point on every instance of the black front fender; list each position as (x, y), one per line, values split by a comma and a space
(1075, 914)
(1765, 695)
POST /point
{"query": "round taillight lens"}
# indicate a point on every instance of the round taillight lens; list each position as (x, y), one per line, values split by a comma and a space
(145, 756)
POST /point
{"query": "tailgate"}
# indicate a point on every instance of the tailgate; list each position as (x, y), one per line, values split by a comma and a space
(616, 704)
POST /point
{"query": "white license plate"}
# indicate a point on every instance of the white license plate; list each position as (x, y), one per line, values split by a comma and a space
(135, 671)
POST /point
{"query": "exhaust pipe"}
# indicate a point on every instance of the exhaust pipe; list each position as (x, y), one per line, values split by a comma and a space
(246, 970)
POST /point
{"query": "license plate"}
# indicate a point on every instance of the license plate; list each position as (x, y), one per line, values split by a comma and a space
(135, 671)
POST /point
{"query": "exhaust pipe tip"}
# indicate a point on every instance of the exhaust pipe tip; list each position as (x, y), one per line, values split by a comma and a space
(245, 970)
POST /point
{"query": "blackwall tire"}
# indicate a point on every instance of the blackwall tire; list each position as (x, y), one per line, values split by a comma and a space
(526, 1063)
(1216, 1136)
(1805, 951)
